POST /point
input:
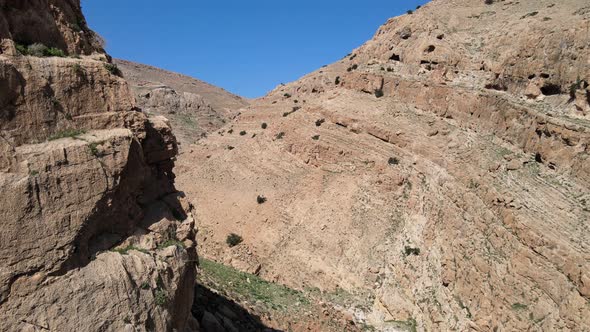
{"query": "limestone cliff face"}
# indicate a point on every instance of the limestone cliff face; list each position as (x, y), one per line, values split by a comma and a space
(94, 234)
(55, 23)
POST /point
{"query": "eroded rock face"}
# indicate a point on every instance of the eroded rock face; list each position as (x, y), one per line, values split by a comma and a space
(95, 235)
(54, 23)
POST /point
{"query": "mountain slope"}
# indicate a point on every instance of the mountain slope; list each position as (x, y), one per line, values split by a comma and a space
(438, 175)
(195, 108)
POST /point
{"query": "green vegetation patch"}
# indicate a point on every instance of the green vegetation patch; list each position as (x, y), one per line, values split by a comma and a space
(250, 288)
(125, 250)
(73, 133)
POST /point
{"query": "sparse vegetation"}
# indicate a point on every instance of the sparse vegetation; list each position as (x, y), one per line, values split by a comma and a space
(125, 250)
(518, 306)
(488, 2)
(243, 132)
(579, 84)
(337, 81)
(287, 95)
(73, 133)
(260, 199)
(315, 137)
(113, 69)
(264, 125)
(248, 287)
(411, 251)
(229, 147)
(94, 148)
(319, 122)
(393, 161)
(77, 68)
(34, 173)
(280, 135)
(410, 12)
(170, 242)
(231, 131)
(378, 93)
(295, 109)
(353, 67)
(233, 240)
(52, 51)
(161, 297)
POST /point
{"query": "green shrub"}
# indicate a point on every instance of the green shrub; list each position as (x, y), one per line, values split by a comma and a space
(161, 297)
(22, 49)
(37, 49)
(264, 125)
(52, 51)
(113, 69)
(233, 240)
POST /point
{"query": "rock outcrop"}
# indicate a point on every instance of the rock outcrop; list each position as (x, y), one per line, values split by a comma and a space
(440, 171)
(95, 235)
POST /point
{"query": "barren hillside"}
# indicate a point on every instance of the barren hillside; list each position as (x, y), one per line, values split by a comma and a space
(195, 108)
(436, 178)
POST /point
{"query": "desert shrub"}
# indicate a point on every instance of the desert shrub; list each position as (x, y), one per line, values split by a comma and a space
(315, 137)
(260, 199)
(319, 122)
(378, 93)
(410, 12)
(243, 132)
(287, 95)
(231, 131)
(22, 49)
(393, 161)
(337, 81)
(233, 240)
(52, 51)
(37, 49)
(488, 2)
(579, 84)
(411, 251)
(113, 69)
(264, 125)
(280, 135)
(229, 147)
(161, 297)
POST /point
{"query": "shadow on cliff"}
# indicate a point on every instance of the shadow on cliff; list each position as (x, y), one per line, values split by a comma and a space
(217, 313)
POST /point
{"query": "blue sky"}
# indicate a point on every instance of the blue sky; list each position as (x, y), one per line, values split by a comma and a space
(246, 47)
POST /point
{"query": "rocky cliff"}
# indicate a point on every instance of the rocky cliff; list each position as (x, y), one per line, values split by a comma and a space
(438, 175)
(94, 234)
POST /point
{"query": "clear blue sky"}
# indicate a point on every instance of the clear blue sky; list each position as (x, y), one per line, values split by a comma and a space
(246, 47)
